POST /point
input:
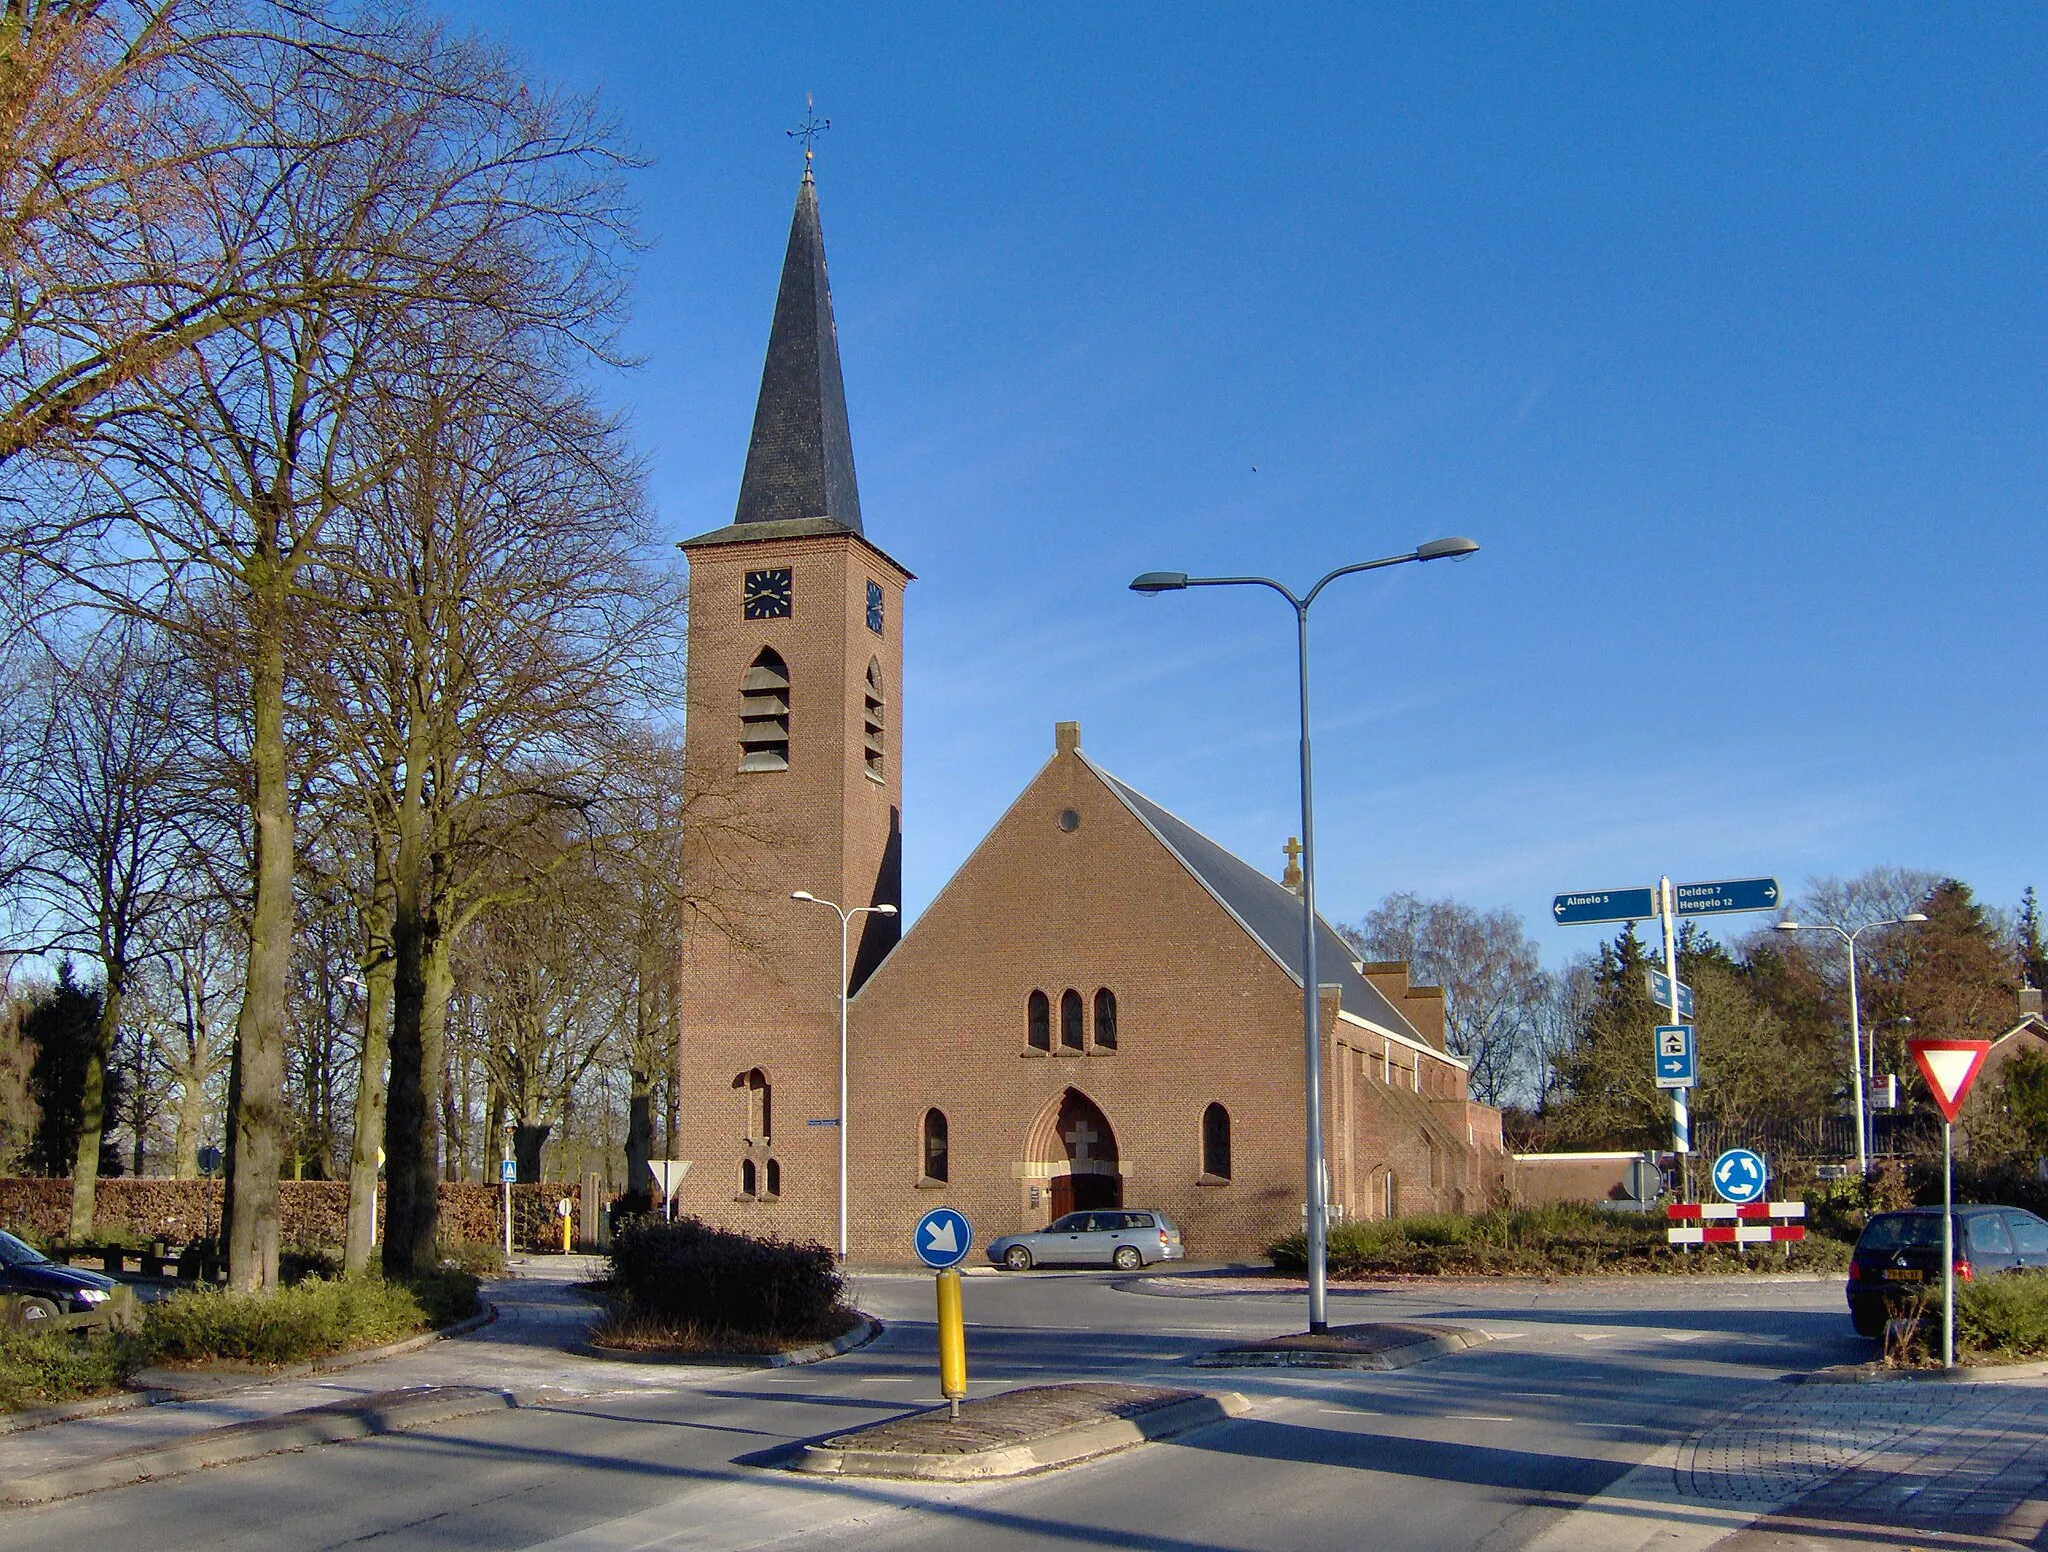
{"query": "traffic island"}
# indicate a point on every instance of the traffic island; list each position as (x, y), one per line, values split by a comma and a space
(1390, 1344)
(1018, 1431)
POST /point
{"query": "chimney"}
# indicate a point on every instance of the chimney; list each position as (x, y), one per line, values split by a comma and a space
(2030, 1000)
(1066, 737)
(1290, 877)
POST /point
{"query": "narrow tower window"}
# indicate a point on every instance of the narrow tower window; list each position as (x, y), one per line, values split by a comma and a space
(1038, 1022)
(1216, 1142)
(1072, 1017)
(935, 1161)
(747, 1178)
(754, 1084)
(764, 714)
(872, 719)
(774, 1174)
(1105, 1020)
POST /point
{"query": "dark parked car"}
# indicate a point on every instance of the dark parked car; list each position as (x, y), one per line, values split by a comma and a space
(34, 1288)
(1899, 1253)
(1127, 1240)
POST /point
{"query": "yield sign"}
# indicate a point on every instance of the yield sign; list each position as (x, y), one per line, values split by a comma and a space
(1950, 1067)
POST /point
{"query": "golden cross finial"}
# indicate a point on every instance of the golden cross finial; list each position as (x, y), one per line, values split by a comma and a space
(810, 129)
(1294, 849)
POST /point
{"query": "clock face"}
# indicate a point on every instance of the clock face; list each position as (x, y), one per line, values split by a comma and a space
(875, 607)
(770, 595)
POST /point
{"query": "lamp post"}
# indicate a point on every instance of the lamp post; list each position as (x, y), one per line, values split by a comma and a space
(845, 916)
(1855, 1014)
(1155, 582)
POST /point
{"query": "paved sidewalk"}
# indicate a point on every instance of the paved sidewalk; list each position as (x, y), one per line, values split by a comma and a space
(522, 1353)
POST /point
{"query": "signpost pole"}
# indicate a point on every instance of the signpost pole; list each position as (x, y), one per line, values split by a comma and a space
(505, 1177)
(1681, 1116)
(1948, 1245)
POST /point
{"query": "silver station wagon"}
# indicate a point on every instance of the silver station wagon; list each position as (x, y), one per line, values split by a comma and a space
(1103, 1237)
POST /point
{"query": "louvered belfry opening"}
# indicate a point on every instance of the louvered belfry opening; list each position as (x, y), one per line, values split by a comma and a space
(764, 714)
(872, 719)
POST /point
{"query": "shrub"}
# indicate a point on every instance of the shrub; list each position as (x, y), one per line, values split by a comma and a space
(41, 1368)
(480, 1258)
(293, 1324)
(2007, 1315)
(688, 1274)
(1558, 1238)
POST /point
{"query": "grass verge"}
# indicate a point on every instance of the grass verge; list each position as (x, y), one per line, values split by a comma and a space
(314, 1319)
(1559, 1240)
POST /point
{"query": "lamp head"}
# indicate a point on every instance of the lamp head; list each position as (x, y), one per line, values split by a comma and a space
(883, 910)
(801, 894)
(1454, 548)
(1786, 926)
(1160, 582)
(1914, 916)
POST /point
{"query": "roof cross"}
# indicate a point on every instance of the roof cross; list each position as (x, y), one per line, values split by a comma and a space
(811, 128)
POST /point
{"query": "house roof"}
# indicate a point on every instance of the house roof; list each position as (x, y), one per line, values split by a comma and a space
(1267, 910)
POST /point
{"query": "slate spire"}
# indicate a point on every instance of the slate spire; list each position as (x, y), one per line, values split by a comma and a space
(800, 458)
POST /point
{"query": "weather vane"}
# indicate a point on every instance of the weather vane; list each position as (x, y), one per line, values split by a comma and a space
(811, 128)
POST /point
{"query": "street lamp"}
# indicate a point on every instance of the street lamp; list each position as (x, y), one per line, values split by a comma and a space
(1154, 582)
(845, 916)
(1855, 1014)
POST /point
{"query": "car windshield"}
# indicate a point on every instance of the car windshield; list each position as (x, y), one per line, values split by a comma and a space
(14, 1253)
(1902, 1231)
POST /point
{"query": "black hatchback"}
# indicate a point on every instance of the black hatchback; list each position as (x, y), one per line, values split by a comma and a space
(1898, 1253)
(33, 1287)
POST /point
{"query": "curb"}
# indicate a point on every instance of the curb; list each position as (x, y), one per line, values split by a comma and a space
(72, 1411)
(1067, 1447)
(1961, 1374)
(859, 1336)
(1407, 1354)
(360, 1417)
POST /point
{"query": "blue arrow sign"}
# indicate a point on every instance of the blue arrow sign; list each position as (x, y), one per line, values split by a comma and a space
(1732, 894)
(1660, 992)
(1739, 1175)
(942, 1238)
(1675, 1060)
(1603, 905)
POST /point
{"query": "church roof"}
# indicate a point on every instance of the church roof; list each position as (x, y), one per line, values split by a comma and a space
(1266, 909)
(800, 458)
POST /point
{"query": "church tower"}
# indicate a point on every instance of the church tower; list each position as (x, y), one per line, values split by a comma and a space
(793, 760)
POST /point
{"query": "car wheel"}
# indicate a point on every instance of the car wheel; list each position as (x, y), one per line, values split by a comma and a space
(1870, 1319)
(33, 1312)
(1017, 1259)
(1127, 1258)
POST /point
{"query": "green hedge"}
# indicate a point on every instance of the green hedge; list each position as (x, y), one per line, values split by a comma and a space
(2006, 1315)
(310, 1320)
(1562, 1238)
(42, 1368)
(689, 1275)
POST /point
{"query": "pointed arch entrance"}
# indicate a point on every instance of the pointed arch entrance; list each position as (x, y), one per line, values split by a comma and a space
(1072, 1147)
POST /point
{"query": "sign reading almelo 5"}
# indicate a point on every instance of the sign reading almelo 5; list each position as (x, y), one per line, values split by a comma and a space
(1603, 905)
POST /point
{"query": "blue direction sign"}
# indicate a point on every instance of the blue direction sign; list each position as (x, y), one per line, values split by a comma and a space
(1731, 894)
(1603, 905)
(1660, 992)
(508, 1171)
(1675, 1061)
(1740, 1176)
(942, 1238)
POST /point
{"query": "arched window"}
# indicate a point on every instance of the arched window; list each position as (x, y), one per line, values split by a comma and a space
(1105, 1019)
(774, 1173)
(747, 1178)
(1072, 1016)
(1216, 1142)
(871, 719)
(1038, 1022)
(936, 1163)
(764, 714)
(754, 1084)
(1390, 1194)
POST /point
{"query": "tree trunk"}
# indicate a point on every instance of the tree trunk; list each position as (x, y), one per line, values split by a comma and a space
(191, 1120)
(85, 1166)
(369, 1129)
(640, 1137)
(259, 1121)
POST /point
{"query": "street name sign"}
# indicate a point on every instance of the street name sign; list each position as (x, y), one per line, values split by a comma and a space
(942, 1238)
(1676, 1064)
(1740, 1176)
(1660, 992)
(1603, 905)
(1730, 894)
(1950, 1067)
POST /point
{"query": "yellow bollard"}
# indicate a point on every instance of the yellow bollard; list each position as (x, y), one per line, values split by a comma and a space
(952, 1340)
(562, 1209)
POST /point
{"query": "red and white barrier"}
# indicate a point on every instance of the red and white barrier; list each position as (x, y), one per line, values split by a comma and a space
(1750, 1210)
(1707, 1223)
(1736, 1234)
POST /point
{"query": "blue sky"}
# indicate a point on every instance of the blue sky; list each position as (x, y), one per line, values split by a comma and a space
(1722, 329)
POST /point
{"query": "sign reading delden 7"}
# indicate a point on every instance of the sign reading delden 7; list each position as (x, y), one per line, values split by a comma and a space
(1603, 905)
(1733, 894)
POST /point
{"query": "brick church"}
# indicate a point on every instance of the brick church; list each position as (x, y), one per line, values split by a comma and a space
(1102, 1006)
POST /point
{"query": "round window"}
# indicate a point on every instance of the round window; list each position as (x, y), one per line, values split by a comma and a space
(1070, 821)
